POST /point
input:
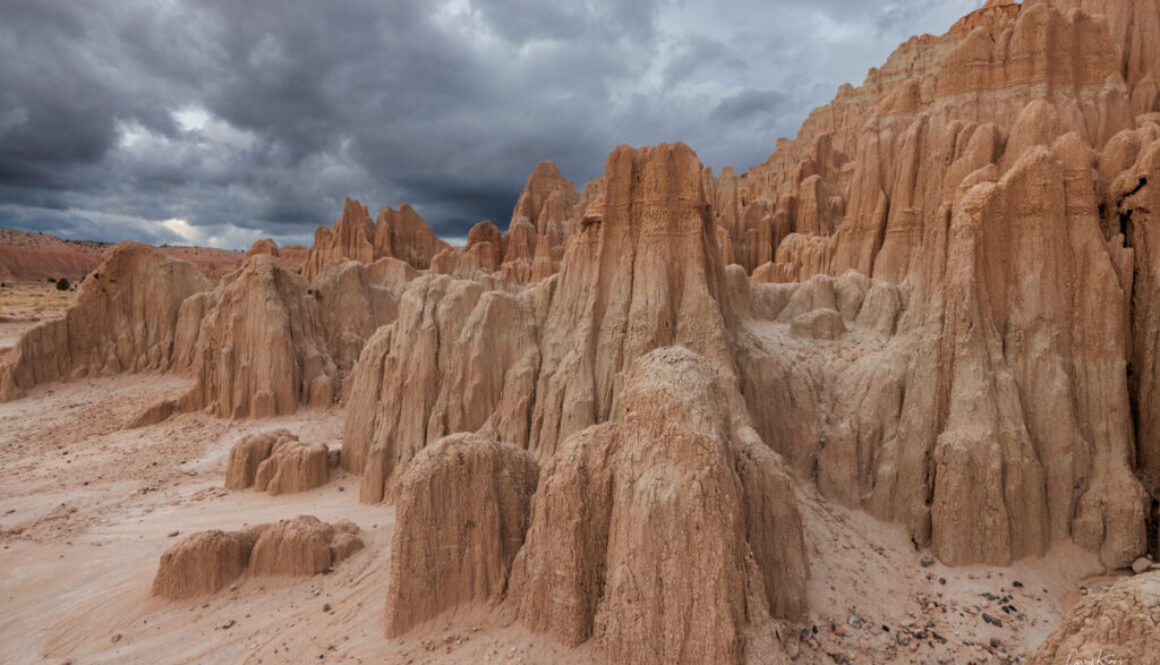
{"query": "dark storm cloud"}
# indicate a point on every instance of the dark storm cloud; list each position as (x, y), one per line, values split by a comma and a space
(216, 121)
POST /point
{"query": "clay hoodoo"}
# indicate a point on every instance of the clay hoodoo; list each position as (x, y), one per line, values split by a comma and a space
(545, 218)
(462, 513)
(124, 320)
(293, 466)
(248, 453)
(1118, 624)
(203, 563)
(673, 483)
(400, 234)
(534, 367)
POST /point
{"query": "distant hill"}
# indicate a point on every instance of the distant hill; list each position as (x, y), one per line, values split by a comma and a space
(26, 256)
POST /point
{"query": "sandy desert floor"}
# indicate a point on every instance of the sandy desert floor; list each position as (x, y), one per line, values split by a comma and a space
(86, 508)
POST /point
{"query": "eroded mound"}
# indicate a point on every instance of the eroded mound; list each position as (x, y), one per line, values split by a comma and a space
(278, 463)
(205, 562)
(124, 319)
(1120, 624)
(629, 509)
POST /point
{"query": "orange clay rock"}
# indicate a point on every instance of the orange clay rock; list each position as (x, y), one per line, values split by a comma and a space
(1119, 624)
(266, 341)
(462, 513)
(248, 454)
(535, 366)
(293, 466)
(203, 563)
(124, 320)
(672, 484)
(401, 234)
(303, 546)
(206, 561)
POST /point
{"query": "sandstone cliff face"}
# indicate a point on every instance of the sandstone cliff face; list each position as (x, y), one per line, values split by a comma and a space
(124, 320)
(461, 518)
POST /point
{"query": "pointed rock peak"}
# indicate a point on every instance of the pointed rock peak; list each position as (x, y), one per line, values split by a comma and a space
(484, 231)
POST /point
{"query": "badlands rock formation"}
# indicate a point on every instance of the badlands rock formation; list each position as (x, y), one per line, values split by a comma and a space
(1120, 624)
(277, 463)
(400, 234)
(937, 305)
(204, 562)
(125, 319)
(672, 484)
(462, 515)
(267, 341)
(207, 561)
(303, 546)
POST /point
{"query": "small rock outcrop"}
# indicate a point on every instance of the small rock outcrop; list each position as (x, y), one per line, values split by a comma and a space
(248, 454)
(124, 320)
(461, 517)
(1119, 624)
(207, 561)
(203, 563)
(303, 546)
(626, 509)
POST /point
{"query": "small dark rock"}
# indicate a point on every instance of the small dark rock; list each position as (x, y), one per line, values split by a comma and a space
(229, 624)
(1017, 584)
(942, 580)
(326, 607)
(995, 643)
(926, 561)
(998, 623)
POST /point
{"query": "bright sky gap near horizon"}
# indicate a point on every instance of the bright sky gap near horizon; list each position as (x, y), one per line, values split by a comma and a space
(216, 122)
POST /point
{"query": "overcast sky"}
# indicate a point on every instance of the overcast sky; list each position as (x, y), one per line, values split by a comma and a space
(220, 121)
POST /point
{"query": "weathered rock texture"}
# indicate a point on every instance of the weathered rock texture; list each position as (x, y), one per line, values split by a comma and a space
(994, 183)
(266, 341)
(248, 454)
(400, 234)
(293, 466)
(535, 366)
(124, 320)
(671, 484)
(203, 563)
(207, 561)
(278, 463)
(461, 517)
(1119, 624)
(674, 479)
(303, 546)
